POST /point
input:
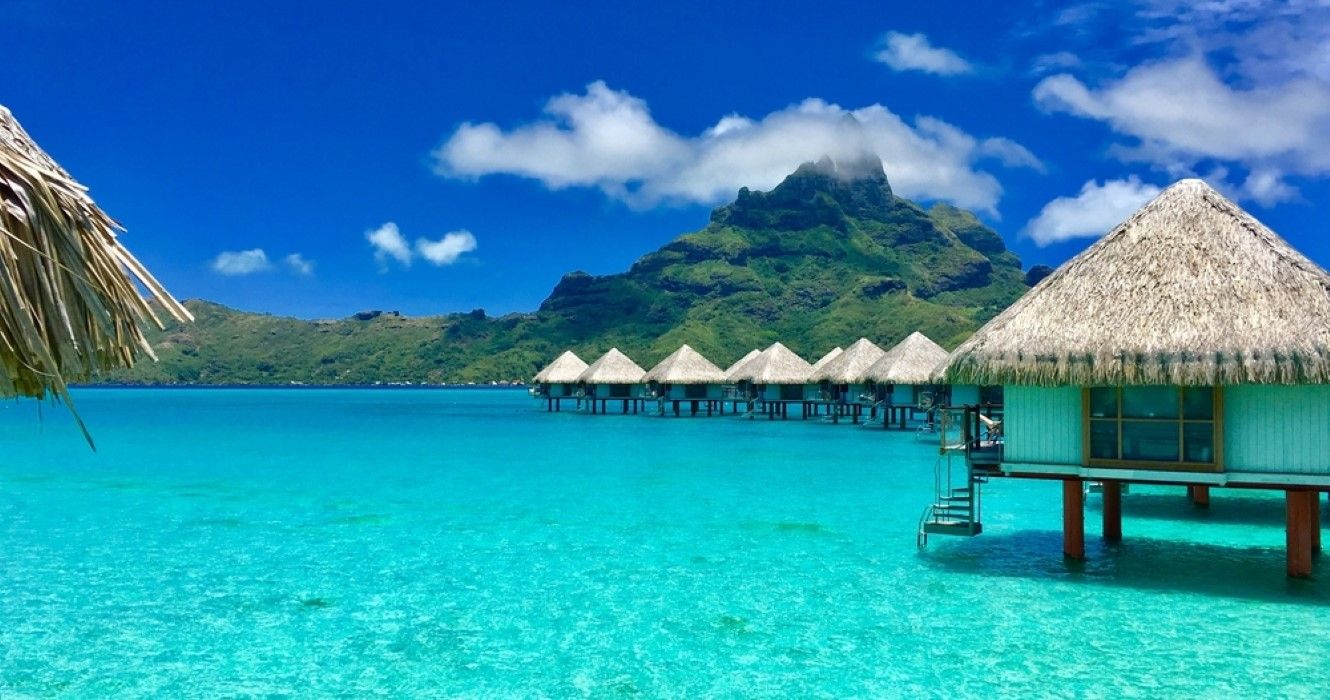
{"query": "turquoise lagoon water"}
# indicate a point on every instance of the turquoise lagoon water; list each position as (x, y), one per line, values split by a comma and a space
(292, 543)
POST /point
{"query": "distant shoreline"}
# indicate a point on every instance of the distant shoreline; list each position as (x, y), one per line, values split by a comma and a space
(486, 387)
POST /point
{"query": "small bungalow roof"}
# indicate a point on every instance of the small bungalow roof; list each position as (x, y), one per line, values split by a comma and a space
(565, 369)
(685, 366)
(613, 367)
(911, 361)
(776, 365)
(850, 366)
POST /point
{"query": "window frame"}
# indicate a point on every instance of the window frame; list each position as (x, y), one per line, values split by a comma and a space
(1216, 421)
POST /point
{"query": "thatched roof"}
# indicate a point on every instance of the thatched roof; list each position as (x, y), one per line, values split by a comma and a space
(685, 366)
(911, 361)
(565, 369)
(732, 372)
(831, 355)
(613, 367)
(850, 366)
(69, 306)
(776, 365)
(1191, 290)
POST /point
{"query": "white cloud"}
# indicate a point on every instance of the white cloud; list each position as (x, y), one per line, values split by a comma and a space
(1052, 62)
(1092, 212)
(299, 265)
(907, 52)
(1182, 112)
(241, 262)
(446, 250)
(607, 139)
(1234, 85)
(389, 243)
(1268, 188)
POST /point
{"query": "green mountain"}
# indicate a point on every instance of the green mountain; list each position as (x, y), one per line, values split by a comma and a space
(828, 256)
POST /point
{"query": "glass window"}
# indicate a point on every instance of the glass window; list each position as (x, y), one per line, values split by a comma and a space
(1104, 439)
(1198, 403)
(1104, 402)
(1150, 441)
(1149, 402)
(1152, 424)
(1198, 442)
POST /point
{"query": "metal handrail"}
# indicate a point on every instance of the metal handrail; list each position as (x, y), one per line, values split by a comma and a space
(921, 535)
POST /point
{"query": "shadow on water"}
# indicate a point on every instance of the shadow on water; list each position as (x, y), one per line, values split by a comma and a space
(1255, 573)
(1238, 510)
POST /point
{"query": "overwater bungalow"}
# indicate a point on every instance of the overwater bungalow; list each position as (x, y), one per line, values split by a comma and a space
(1188, 346)
(901, 381)
(735, 391)
(775, 379)
(558, 381)
(842, 380)
(814, 391)
(612, 378)
(689, 379)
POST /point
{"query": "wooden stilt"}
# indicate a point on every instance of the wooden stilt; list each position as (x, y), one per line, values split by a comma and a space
(1315, 521)
(1112, 510)
(1200, 495)
(1073, 519)
(1298, 535)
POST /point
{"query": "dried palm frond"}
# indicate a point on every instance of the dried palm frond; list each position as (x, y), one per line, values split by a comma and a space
(69, 306)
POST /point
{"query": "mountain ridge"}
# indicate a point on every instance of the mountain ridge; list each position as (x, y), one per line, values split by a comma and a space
(828, 255)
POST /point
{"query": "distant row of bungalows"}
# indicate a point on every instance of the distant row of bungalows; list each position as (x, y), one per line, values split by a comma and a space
(861, 382)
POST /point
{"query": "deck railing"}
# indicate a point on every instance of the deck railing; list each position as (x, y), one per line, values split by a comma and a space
(975, 429)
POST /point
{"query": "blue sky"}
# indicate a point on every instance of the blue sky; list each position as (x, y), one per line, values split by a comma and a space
(433, 158)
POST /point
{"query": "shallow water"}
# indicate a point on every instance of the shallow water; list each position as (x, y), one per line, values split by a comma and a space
(463, 543)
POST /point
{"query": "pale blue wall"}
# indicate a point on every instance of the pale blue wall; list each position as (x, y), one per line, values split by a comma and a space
(1042, 425)
(1279, 429)
(602, 391)
(677, 391)
(964, 394)
(903, 394)
(772, 392)
(1267, 429)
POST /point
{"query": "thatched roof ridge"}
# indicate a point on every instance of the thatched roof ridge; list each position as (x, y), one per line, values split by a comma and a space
(565, 369)
(733, 370)
(776, 365)
(613, 367)
(69, 306)
(911, 361)
(825, 359)
(685, 366)
(1190, 290)
(850, 366)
